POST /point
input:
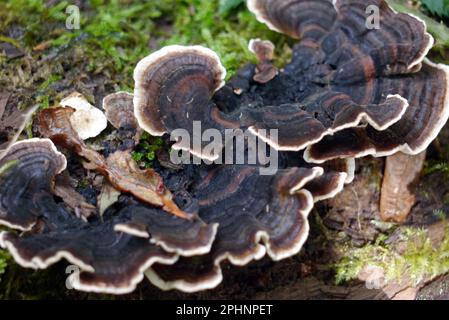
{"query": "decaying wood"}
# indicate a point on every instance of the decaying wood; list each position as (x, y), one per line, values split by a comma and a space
(398, 188)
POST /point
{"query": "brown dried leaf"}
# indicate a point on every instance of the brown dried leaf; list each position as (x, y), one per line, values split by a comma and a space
(120, 169)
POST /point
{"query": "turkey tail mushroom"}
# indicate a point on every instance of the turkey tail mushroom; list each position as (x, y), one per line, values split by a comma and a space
(256, 215)
(173, 89)
(28, 167)
(110, 259)
(300, 19)
(427, 93)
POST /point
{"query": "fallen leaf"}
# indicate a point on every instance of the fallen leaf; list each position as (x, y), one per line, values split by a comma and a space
(120, 169)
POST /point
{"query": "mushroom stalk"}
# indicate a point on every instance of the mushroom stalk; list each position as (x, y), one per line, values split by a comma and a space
(401, 175)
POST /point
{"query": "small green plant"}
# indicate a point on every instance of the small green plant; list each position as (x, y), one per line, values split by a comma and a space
(440, 214)
(216, 25)
(4, 168)
(145, 152)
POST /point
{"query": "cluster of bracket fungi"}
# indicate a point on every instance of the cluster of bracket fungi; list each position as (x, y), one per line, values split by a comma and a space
(348, 92)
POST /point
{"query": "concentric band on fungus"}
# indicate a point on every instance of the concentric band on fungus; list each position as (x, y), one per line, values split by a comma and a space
(342, 77)
(109, 261)
(347, 92)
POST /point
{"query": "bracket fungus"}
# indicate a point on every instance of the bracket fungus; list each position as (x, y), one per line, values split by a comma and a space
(348, 92)
(119, 110)
(111, 258)
(256, 215)
(264, 51)
(238, 208)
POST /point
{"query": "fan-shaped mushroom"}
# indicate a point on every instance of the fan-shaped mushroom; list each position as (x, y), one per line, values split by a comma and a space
(348, 91)
(111, 258)
(119, 110)
(264, 51)
(112, 252)
(256, 215)
(268, 107)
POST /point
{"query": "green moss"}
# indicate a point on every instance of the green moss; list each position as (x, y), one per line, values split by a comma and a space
(113, 36)
(432, 167)
(228, 34)
(145, 152)
(418, 259)
(4, 257)
(227, 6)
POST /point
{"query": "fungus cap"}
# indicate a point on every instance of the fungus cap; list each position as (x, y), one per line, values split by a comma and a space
(256, 216)
(119, 110)
(87, 120)
(170, 77)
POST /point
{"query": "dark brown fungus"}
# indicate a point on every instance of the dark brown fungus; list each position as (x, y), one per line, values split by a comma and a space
(401, 175)
(119, 168)
(256, 215)
(348, 58)
(366, 64)
(108, 261)
(264, 51)
(119, 110)
(178, 76)
(299, 19)
(336, 174)
(28, 167)
(110, 257)
(173, 89)
(349, 91)
(428, 97)
(242, 215)
(299, 124)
